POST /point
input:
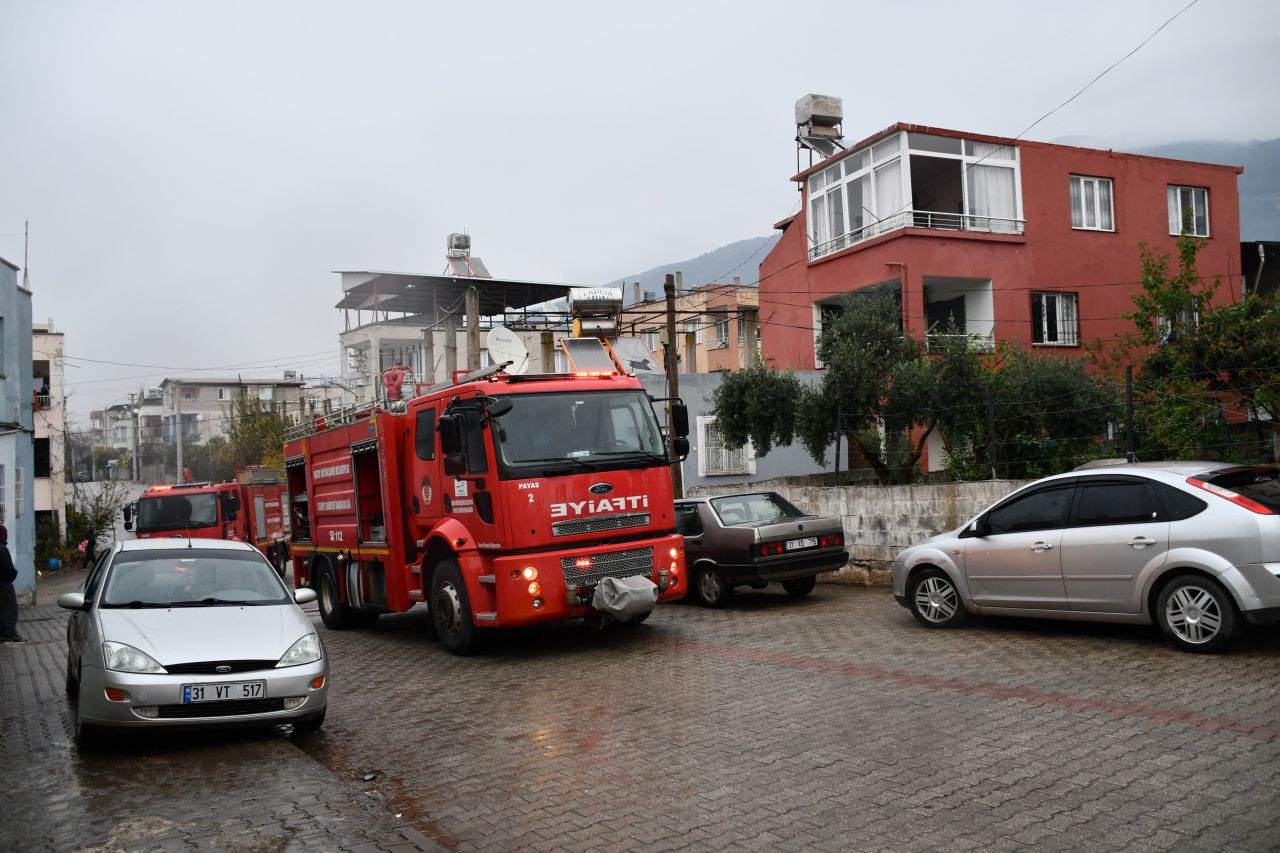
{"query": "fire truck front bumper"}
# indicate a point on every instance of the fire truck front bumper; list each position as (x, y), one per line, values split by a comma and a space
(557, 585)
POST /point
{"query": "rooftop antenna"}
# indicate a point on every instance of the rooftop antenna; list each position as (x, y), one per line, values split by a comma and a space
(26, 233)
(818, 127)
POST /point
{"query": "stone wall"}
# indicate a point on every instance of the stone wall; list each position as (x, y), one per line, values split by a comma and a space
(879, 520)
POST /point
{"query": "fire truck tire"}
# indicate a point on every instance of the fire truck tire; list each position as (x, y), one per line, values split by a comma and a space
(451, 610)
(280, 559)
(333, 612)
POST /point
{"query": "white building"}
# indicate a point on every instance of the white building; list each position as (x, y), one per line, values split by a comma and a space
(49, 405)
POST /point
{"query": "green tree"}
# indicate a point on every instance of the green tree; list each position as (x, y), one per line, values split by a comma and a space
(757, 404)
(255, 432)
(1197, 358)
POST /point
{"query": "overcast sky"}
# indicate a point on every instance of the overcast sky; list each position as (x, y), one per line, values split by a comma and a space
(193, 171)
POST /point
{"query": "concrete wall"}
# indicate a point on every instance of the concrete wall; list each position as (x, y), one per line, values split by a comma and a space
(879, 521)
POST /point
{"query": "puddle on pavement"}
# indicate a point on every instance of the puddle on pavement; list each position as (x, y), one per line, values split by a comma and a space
(334, 755)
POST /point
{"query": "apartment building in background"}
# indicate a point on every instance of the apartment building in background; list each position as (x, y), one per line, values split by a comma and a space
(202, 405)
(49, 463)
(717, 325)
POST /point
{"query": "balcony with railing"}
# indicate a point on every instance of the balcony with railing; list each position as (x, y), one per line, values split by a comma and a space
(927, 219)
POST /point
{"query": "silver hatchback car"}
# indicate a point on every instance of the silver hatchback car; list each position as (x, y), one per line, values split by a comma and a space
(191, 632)
(1192, 546)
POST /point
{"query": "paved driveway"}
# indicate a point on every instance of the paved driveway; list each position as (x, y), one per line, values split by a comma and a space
(833, 722)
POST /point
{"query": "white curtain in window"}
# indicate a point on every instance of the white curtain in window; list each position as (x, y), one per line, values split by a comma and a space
(1104, 205)
(1175, 212)
(991, 194)
(990, 151)
(1077, 207)
(818, 221)
(888, 193)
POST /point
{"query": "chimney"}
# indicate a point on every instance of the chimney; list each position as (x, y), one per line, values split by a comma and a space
(636, 287)
(737, 281)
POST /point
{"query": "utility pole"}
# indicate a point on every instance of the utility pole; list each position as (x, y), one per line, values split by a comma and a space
(428, 373)
(839, 438)
(473, 328)
(450, 346)
(177, 405)
(673, 385)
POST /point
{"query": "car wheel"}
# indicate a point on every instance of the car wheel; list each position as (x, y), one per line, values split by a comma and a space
(333, 612)
(85, 735)
(800, 586)
(73, 683)
(710, 587)
(935, 601)
(1198, 613)
(451, 610)
(307, 725)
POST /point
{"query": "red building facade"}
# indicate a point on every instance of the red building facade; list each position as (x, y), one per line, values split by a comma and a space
(1000, 240)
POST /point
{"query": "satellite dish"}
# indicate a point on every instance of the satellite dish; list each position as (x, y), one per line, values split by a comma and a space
(504, 345)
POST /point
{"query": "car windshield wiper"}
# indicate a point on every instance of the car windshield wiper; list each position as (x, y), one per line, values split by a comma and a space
(571, 460)
(135, 604)
(210, 602)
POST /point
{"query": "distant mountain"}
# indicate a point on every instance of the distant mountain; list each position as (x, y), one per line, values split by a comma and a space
(718, 266)
(1259, 185)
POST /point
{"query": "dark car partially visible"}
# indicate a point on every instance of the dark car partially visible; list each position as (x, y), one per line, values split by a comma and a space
(754, 539)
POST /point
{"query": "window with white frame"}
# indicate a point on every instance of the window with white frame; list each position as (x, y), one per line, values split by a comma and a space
(823, 314)
(265, 392)
(1189, 211)
(1091, 204)
(715, 459)
(694, 327)
(224, 394)
(722, 330)
(1054, 319)
(651, 340)
(1187, 318)
(963, 185)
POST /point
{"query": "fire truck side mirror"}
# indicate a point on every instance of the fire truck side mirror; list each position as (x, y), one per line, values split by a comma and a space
(230, 504)
(497, 406)
(681, 447)
(128, 516)
(449, 427)
(680, 421)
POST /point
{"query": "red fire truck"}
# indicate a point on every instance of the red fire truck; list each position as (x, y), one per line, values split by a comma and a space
(499, 500)
(250, 509)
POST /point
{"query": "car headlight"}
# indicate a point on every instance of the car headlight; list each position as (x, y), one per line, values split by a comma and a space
(306, 650)
(122, 658)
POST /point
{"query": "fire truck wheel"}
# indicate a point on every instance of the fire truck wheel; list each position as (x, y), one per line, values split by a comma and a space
(450, 609)
(280, 559)
(333, 612)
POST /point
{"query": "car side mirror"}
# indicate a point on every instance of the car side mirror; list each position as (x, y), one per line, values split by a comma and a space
(980, 528)
(72, 601)
(305, 595)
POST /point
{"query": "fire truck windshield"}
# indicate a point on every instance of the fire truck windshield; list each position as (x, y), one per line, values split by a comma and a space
(177, 512)
(595, 430)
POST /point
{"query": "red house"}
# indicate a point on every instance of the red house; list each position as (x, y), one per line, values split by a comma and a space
(1027, 242)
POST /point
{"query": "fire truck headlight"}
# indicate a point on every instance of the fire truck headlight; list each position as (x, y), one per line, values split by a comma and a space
(535, 589)
(674, 553)
(530, 573)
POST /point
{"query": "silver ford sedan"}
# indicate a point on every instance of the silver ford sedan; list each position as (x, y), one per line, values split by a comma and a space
(191, 632)
(1192, 546)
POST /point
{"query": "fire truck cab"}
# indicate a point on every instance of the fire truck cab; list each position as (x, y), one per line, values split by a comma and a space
(500, 501)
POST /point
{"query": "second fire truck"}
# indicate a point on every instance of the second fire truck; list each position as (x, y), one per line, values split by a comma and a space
(500, 501)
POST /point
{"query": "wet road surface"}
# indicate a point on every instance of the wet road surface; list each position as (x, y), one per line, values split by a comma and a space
(833, 722)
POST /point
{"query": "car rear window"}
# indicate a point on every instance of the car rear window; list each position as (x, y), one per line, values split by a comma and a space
(1259, 483)
(753, 509)
(187, 577)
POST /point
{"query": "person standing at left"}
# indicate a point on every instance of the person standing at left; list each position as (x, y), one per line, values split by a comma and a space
(8, 597)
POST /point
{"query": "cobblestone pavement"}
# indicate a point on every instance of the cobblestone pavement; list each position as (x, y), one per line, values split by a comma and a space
(245, 791)
(833, 722)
